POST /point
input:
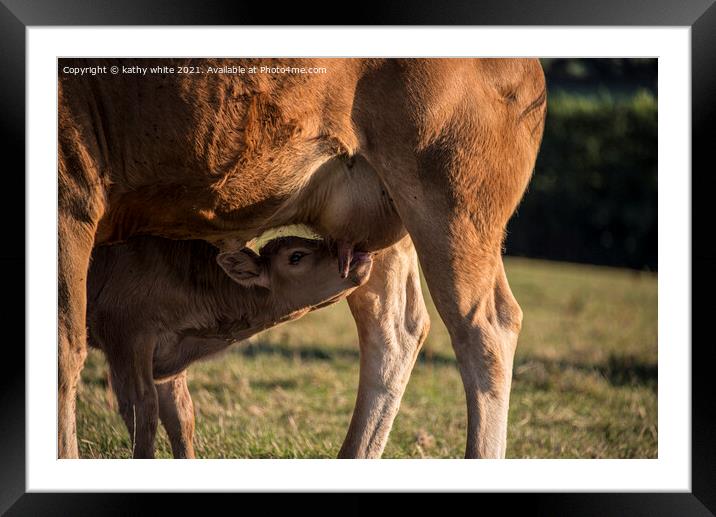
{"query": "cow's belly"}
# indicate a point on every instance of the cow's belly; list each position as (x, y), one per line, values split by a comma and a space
(342, 200)
(176, 212)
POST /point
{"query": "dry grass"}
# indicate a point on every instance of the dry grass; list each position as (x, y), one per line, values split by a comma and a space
(585, 381)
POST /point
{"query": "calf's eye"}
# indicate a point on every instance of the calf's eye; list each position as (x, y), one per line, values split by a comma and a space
(295, 257)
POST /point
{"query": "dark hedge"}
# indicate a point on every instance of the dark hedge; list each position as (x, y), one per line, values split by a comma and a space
(593, 196)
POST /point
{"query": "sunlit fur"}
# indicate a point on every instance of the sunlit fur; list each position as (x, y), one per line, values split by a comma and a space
(155, 306)
(440, 148)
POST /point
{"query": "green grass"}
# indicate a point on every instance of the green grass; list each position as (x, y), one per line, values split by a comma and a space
(585, 381)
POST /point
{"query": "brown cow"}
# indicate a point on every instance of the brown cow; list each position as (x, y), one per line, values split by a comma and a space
(217, 156)
(154, 306)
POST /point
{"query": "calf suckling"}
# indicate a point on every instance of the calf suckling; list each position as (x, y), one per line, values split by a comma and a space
(155, 306)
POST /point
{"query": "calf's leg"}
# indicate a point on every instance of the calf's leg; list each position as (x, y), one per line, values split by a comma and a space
(392, 322)
(133, 384)
(176, 411)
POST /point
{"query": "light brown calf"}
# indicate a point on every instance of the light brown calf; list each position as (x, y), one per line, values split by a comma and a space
(155, 306)
(218, 156)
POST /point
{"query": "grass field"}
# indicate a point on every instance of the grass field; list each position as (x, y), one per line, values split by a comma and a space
(585, 381)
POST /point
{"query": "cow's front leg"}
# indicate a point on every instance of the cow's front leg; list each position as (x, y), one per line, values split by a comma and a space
(80, 206)
(75, 246)
(392, 323)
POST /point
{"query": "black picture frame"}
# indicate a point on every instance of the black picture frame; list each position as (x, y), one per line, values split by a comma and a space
(700, 15)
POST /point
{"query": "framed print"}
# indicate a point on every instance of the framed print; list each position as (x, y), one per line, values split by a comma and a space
(479, 174)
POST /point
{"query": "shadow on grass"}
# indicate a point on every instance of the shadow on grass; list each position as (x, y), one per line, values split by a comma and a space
(321, 353)
(540, 373)
(305, 353)
(617, 370)
(630, 370)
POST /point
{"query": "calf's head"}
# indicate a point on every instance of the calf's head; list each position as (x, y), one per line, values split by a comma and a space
(298, 273)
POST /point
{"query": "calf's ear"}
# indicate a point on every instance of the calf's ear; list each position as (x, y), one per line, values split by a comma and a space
(243, 267)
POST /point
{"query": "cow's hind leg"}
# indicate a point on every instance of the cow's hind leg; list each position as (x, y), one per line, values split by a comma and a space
(392, 322)
(458, 238)
(176, 411)
(464, 271)
(456, 166)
